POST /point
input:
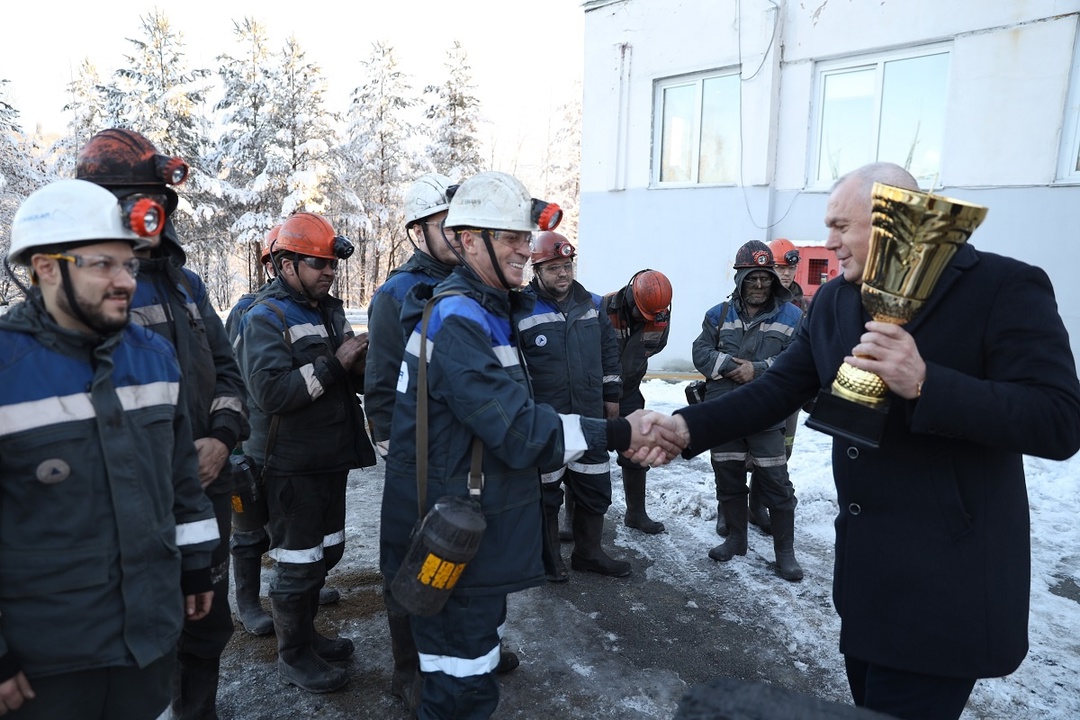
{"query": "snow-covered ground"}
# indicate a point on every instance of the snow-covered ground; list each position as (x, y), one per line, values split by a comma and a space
(629, 649)
(1047, 685)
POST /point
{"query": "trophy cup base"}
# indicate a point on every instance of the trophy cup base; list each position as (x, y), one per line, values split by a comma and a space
(861, 424)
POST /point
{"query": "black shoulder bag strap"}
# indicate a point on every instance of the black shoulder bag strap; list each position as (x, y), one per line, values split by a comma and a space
(476, 474)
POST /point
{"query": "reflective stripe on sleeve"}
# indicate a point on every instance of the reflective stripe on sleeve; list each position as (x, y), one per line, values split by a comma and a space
(199, 531)
(574, 445)
(314, 387)
(226, 402)
(552, 477)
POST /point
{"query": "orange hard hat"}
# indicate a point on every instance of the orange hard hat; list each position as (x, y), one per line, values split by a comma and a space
(784, 252)
(551, 246)
(309, 234)
(267, 243)
(652, 292)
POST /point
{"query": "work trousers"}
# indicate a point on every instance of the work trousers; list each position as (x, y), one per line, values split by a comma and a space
(906, 695)
(111, 693)
(588, 479)
(766, 452)
(307, 531)
(459, 650)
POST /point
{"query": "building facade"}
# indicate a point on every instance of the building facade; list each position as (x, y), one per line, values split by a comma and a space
(707, 123)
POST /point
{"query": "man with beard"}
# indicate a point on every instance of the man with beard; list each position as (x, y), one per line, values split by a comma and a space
(173, 301)
(573, 358)
(740, 338)
(303, 367)
(105, 532)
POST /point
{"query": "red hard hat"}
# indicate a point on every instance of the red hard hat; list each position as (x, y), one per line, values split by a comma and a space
(551, 246)
(652, 292)
(784, 252)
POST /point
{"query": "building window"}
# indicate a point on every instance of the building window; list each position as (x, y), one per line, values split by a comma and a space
(1069, 169)
(697, 130)
(886, 108)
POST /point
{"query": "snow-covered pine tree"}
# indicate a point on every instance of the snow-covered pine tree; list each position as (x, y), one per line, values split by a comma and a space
(562, 177)
(454, 112)
(240, 158)
(21, 172)
(379, 160)
(299, 156)
(157, 94)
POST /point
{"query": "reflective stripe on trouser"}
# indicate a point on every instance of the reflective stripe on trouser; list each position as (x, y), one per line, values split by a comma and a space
(766, 450)
(207, 638)
(459, 651)
(588, 478)
(307, 531)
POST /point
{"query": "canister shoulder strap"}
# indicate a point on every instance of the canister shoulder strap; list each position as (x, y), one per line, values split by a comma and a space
(476, 473)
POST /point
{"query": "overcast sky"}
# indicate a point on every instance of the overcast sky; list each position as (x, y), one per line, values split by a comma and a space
(526, 57)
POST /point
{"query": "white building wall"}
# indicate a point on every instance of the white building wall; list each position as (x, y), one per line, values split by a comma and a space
(1008, 88)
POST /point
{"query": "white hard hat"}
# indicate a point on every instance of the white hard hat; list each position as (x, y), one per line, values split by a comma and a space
(426, 196)
(494, 201)
(64, 212)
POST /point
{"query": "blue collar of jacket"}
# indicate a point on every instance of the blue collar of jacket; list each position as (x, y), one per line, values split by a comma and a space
(280, 289)
(578, 293)
(423, 263)
(499, 302)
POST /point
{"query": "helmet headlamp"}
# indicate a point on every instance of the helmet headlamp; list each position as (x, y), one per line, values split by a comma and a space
(343, 247)
(547, 216)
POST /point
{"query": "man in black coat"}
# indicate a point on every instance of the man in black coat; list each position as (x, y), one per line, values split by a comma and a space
(932, 569)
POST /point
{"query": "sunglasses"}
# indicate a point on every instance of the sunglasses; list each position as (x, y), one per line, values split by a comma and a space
(318, 263)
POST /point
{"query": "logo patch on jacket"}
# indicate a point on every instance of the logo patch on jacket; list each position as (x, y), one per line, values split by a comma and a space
(53, 471)
(541, 340)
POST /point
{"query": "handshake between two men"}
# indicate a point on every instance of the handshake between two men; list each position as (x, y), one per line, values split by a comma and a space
(656, 438)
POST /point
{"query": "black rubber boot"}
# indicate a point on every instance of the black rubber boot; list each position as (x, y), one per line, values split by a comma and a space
(566, 531)
(195, 685)
(246, 574)
(329, 595)
(588, 555)
(721, 526)
(552, 537)
(784, 545)
(298, 664)
(759, 514)
(329, 649)
(406, 682)
(735, 515)
(636, 517)
(508, 661)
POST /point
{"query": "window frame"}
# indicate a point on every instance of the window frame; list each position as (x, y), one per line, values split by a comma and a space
(877, 61)
(1069, 159)
(698, 80)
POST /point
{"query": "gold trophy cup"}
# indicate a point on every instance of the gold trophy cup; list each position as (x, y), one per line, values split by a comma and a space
(913, 238)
